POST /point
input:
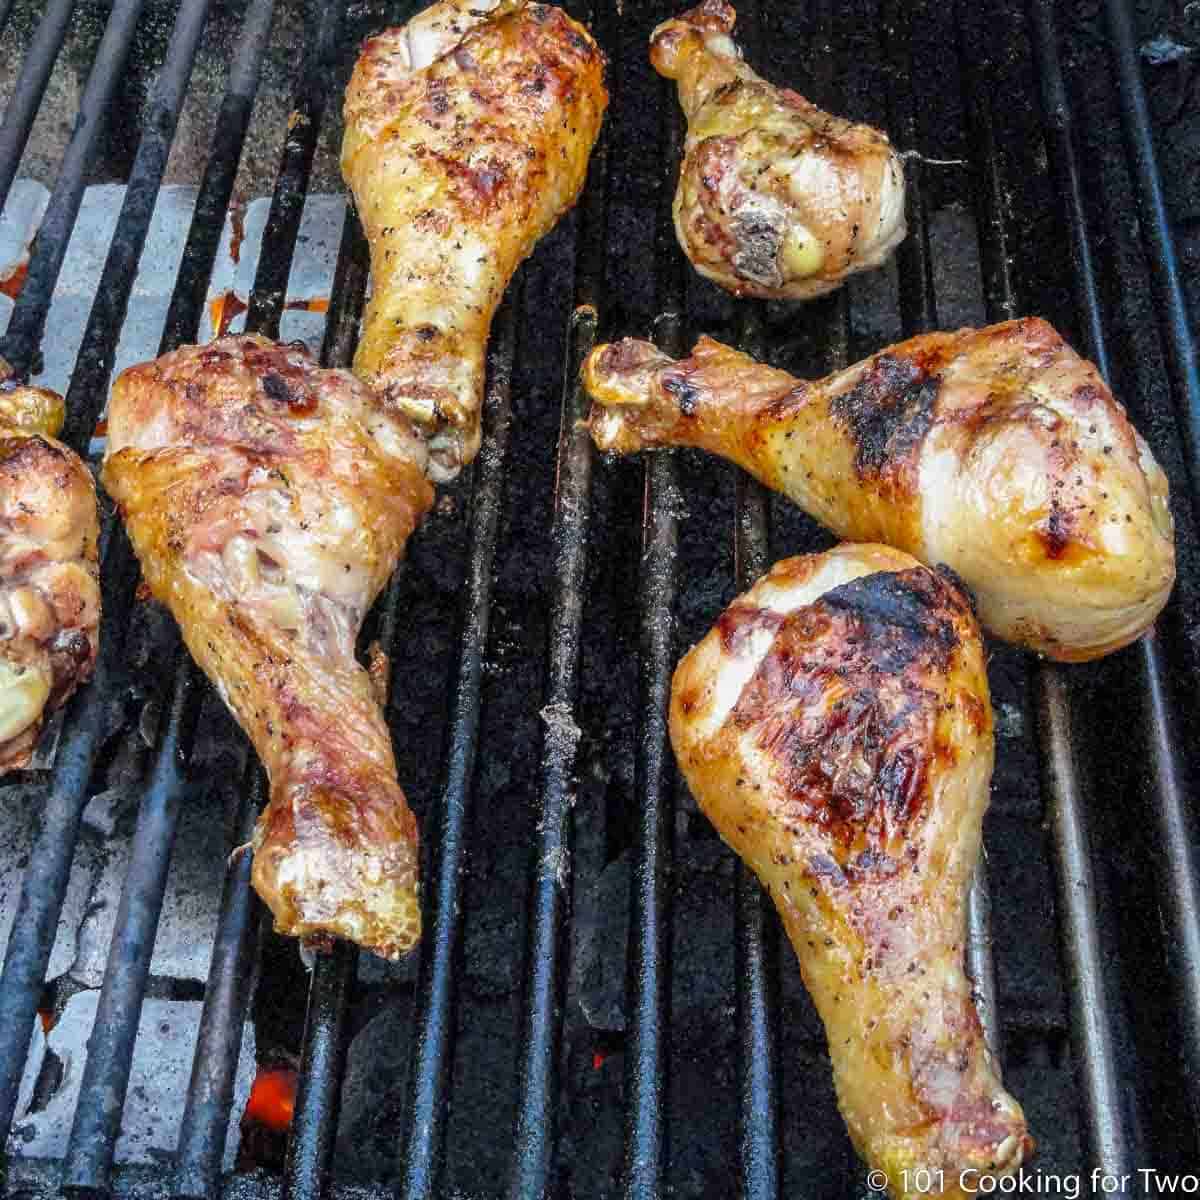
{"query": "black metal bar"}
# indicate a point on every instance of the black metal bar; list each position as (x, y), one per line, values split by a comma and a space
(1156, 231)
(30, 87)
(649, 916)
(24, 336)
(97, 1117)
(1176, 876)
(918, 314)
(423, 1131)
(550, 887)
(1110, 1143)
(44, 886)
(291, 184)
(648, 961)
(323, 1055)
(110, 1046)
(205, 1121)
(216, 188)
(756, 929)
(88, 389)
(323, 1061)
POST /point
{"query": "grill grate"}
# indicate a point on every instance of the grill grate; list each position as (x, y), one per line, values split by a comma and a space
(1155, 690)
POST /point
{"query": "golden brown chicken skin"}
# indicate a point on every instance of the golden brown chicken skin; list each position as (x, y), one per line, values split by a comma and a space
(998, 451)
(268, 501)
(49, 577)
(468, 133)
(835, 727)
(776, 198)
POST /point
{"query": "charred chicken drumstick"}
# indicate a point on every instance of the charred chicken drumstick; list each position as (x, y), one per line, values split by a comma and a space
(468, 132)
(49, 578)
(268, 501)
(776, 198)
(836, 729)
(998, 452)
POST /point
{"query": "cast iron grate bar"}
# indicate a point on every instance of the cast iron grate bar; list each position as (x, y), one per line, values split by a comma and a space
(30, 88)
(323, 1053)
(88, 390)
(291, 184)
(422, 1141)
(918, 314)
(44, 886)
(1092, 1012)
(97, 1122)
(756, 929)
(35, 923)
(1156, 230)
(323, 1059)
(540, 1031)
(1180, 902)
(755, 926)
(106, 1074)
(216, 188)
(24, 335)
(649, 940)
(205, 1122)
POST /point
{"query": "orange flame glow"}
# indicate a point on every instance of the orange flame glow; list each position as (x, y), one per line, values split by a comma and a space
(273, 1098)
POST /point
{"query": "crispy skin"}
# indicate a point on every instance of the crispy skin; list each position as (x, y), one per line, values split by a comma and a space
(776, 198)
(998, 451)
(268, 501)
(49, 577)
(468, 133)
(835, 727)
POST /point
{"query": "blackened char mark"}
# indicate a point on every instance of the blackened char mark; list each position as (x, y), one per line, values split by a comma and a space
(845, 707)
(887, 413)
(905, 616)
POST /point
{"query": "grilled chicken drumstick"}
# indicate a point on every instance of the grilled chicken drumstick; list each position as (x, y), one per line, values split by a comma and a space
(49, 578)
(999, 452)
(776, 198)
(268, 501)
(468, 132)
(836, 729)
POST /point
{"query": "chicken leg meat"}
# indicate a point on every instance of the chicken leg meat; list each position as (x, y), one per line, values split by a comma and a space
(776, 198)
(468, 133)
(49, 577)
(835, 727)
(998, 452)
(268, 501)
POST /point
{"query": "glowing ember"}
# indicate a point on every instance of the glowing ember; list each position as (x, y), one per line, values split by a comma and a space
(11, 285)
(272, 1098)
(317, 304)
(598, 1060)
(223, 309)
